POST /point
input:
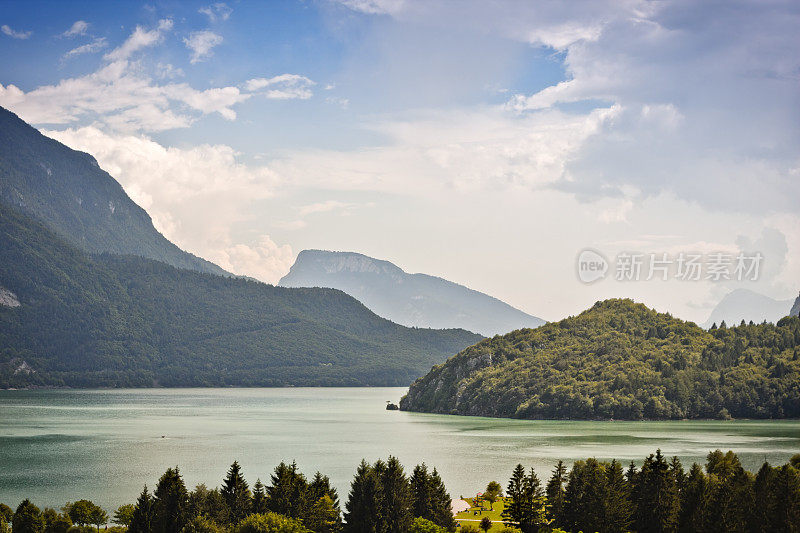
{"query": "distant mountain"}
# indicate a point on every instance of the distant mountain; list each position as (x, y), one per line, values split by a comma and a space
(417, 300)
(743, 304)
(795, 311)
(70, 192)
(71, 318)
(621, 360)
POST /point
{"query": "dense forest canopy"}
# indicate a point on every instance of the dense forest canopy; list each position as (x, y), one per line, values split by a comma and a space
(621, 360)
(114, 320)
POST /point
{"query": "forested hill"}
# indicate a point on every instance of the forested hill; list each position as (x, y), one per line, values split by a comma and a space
(621, 360)
(69, 318)
(69, 191)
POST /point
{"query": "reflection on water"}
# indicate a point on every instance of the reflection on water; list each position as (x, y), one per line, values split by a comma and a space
(104, 445)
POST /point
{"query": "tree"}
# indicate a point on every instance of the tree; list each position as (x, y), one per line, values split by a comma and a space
(98, 517)
(527, 506)
(617, 506)
(259, 498)
(80, 512)
(692, 499)
(486, 524)
(492, 493)
(27, 519)
(270, 523)
(441, 503)
(6, 513)
(202, 524)
(236, 494)
(123, 515)
(142, 518)
(286, 494)
(420, 492)
(655, 496)
(555, 495)
(396, 498)
(56, 522)
(208, 503)
(420, 525)
(362, 509)
(325, 512)
(170, 503)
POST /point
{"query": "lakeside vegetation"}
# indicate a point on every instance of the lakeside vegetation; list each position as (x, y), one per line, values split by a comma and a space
(621, 360)
(659, 496)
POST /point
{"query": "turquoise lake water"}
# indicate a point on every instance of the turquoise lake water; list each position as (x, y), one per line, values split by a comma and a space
(104, 445)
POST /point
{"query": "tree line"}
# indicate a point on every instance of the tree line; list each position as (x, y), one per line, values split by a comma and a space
(593, 495)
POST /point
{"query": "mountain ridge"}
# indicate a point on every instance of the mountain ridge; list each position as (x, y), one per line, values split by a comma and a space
(747, 305)
(415, 300)
(69, 191)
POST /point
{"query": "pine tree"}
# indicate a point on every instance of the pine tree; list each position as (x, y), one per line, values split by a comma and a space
(259, 498)
(617, 504)
(692, 499)
(441, 503)
(527, 507)
(763, 512)
(655, 496)
(420, 492)
(236, 493)
(362, 509)
(170, 503)
(287, 492)
(396, 516)
(555, 495)
(515, 510)
(142, 519)
(325, 509)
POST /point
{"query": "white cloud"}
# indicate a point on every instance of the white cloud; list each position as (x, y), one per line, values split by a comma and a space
(140, 38)
(6, 29)
(375, 7)
(88, 48)
(216, 12)
(79, 27)
(264, 260)
(282, 87)
(122, 97)
(195, 195)
(201, 44)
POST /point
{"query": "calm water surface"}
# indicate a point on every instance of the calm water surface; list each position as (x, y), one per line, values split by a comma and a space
(105, 445)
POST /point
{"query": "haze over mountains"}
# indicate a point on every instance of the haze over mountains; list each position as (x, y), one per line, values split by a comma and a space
(744, 304)
(417, 300)
(71, 315)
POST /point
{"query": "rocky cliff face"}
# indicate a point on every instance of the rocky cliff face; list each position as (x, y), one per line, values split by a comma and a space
(795, 308)
(416, 300)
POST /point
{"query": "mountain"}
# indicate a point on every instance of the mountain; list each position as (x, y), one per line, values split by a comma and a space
(71, 318)
(417, 300)
(621, 360)
(69, 191)
(795, 311)
(743, 304)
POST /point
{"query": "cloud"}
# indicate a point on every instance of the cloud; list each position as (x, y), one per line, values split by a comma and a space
(79, 27)
(282, 87)
(265, 260)
(201, 43)
(216, 12)
(88, 48)
(194, 195)
(375, 7)
(15, 34)
(139, 39)
(122, 97)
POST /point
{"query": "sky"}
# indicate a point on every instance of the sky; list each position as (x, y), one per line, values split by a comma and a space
(489, 143)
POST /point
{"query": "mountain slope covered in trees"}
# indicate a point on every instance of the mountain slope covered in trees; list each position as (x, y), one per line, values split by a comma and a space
(417, 300)
(113, 320)
(69, 191)
(622, 360)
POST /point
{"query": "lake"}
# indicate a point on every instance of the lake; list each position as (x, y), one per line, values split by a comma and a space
(104, 445)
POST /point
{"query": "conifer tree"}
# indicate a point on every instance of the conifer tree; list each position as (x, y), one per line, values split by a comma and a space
(170, 503)
(555, 495)
(287, 492)
(142, 518)
(396, 498)
(259, 498)
(617, 504)
(421, 492)
(692, 499)
(441, 503)
(236, 494)
(655, 496)
(362, 509)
